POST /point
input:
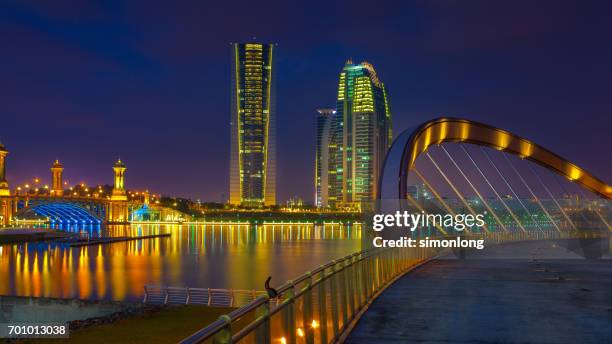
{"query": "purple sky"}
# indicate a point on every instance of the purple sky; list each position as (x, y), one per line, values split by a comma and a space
(149, 81)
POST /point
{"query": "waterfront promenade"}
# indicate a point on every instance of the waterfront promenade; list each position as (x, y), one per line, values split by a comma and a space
(536, 292)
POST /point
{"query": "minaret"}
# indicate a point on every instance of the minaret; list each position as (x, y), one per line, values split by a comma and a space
(56, 179)
(119, 189)
(4, 187)
(147, 197)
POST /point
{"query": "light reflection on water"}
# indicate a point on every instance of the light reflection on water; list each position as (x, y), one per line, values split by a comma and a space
(215, 256)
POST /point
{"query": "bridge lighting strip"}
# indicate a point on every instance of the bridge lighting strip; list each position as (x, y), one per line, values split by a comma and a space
(245, 223)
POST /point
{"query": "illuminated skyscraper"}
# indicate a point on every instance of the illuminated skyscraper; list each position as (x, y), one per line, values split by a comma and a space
(359, 137)
(324, 120)
(253, 146)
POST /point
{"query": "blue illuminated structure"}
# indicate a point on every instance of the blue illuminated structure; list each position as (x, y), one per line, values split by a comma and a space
(145, 213)
(64, 213)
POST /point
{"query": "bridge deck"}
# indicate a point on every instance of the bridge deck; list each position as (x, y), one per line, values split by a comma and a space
(518, 300)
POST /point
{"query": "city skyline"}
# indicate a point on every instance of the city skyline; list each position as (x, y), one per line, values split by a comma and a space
(163, 110)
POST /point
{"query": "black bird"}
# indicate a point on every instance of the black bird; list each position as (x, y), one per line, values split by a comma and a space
(272, 293)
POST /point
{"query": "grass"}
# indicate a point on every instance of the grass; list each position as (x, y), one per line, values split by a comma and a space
(168, 325)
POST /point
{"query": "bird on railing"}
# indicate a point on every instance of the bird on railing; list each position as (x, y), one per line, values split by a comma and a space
(272, 293)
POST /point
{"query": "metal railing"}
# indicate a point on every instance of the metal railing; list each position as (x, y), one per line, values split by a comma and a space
(162, 295)
(319, 306)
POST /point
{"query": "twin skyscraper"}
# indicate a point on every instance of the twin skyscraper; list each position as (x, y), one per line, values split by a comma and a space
(352, 139)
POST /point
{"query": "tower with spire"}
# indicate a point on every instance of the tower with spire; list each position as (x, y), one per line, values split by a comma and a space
(119, 193)
(118, 207)
(4, 187)
(56, 178)
(6, 202)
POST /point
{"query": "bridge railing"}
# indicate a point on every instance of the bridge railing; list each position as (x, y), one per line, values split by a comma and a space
(317, 306)
(163, 295)
(320, 306)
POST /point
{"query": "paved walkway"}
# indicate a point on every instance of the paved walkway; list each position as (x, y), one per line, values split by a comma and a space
(497, 300)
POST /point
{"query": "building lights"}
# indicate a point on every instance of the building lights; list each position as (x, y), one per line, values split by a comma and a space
(355, 139)
(252, 171)
(314, 324)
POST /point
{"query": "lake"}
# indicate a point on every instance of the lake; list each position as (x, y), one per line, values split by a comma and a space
(238, 256)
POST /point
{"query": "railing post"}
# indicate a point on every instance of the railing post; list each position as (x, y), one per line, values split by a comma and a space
(308, 316)
(146, 295)
(323, 307)
(166, 298)
(188, 296)
(343, 292)
(350, 286)
(224, 336)
(289, 319)
(231, 297)
(262, 332)
(369, 276)
(376, 272)
(364, 279)
(333, 291)
(358, 272)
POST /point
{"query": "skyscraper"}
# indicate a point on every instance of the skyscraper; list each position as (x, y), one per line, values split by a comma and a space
(324, 120)
(253, 146)
(359, 136)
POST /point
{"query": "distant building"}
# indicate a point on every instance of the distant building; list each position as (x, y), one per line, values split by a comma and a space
(253, 139)
(418, 192)
(324, 120)
(412, 191)
(359, 135)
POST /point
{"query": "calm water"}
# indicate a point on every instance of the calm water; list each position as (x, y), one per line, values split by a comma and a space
(215, 256)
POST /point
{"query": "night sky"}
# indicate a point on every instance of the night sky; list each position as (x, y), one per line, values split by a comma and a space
(150, 81)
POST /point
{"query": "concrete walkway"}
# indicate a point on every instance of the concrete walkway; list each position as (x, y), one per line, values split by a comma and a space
(556, 298)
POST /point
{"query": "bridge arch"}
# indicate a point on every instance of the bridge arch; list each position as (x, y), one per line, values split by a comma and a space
(411, 143)
(61, 213)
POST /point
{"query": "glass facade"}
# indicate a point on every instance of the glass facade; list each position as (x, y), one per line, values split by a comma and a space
(253, 153)
(360, 133)
(324, 120)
